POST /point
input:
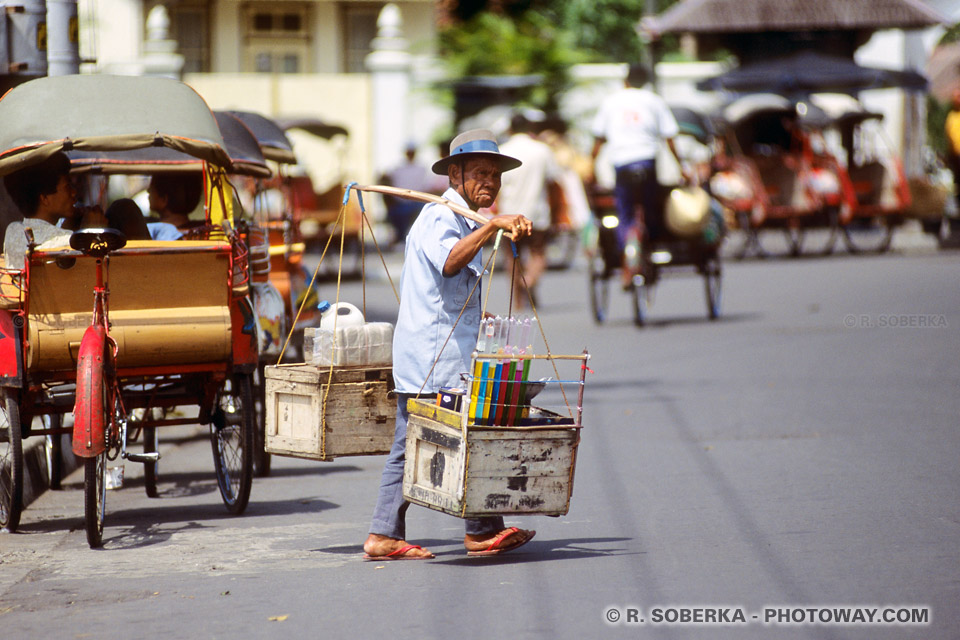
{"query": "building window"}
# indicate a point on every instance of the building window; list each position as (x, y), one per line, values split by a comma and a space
(276, 39)
(359, 29)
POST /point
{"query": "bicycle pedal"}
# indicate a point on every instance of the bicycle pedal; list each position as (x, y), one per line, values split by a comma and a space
(143, 457)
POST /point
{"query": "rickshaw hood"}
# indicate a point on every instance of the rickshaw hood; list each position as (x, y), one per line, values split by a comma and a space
(105, 113)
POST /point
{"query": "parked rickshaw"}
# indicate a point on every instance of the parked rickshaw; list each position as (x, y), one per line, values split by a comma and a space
(277, 271)
(170, 324)
(274, 208)
(320, 214)
(875, 186)
(769, 174)
(650, 259)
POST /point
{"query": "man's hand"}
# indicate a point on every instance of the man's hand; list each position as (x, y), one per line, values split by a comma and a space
(519, 226)
(467, 247)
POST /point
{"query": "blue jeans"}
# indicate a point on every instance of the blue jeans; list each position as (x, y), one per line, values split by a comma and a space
(389, 516)
(636, 197)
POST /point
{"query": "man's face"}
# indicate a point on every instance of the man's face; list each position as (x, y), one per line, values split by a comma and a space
(62, 200)
(156, 201)
(481, 180)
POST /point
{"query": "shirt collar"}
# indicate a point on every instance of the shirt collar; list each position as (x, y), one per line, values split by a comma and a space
(452, 195)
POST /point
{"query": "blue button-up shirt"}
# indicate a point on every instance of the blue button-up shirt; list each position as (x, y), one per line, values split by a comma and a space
(430, 303)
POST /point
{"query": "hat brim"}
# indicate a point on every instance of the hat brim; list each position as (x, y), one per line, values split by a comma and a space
(506, 162)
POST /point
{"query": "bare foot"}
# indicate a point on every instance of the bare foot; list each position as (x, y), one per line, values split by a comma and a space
(491, 544)
(377, 547)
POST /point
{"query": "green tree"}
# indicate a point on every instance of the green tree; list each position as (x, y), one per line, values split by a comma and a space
(497, 44)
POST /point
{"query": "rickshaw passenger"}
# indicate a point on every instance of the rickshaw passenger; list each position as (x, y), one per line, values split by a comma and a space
(173, 196)
(46, 197)
(125, 215)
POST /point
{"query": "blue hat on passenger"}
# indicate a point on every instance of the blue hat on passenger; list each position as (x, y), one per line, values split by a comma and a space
(472, 144)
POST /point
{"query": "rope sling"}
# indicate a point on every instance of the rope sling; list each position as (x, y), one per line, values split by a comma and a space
(339, 224)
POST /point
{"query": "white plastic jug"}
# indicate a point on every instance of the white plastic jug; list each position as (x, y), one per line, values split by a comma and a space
(343, 313)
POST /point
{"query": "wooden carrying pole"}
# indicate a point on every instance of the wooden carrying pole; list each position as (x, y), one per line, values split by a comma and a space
(479, 218)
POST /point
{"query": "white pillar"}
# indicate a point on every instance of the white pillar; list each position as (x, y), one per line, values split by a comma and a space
(63, 38)
(389, 65)
(160, 57)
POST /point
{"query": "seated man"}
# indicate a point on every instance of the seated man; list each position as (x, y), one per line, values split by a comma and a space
(173, 196)
(45, 196)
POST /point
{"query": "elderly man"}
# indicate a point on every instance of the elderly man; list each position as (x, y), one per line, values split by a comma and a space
(442, 263)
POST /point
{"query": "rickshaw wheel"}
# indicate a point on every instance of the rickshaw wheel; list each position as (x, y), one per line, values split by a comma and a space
(232, 438)
(599, 290)
(94, 497)
(11, 463)
(794, 236)
(744, 239)
(868, 235)
(151, 444)
(54, 449)
(814, 242)
(640, 292)
(95, 476)
(712, 286)
(261, 459)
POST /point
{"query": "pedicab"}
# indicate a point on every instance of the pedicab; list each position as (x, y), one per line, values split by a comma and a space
(876, 190)
(276, 259)
(170, 324)
(770, 175)
(275, 208)
(320, 215)
(683, 245)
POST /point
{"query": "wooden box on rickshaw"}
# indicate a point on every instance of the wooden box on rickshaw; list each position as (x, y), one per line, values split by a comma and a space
(322, 413)
(469, 471)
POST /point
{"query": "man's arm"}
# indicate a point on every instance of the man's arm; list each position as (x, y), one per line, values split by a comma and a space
(597, 143)
(467, 247)
(671, 144)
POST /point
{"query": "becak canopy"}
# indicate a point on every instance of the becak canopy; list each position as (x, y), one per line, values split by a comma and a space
(105, 113)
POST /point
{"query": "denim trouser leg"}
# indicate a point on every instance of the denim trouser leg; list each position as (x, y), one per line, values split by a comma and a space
(636, 185)
(389, 514)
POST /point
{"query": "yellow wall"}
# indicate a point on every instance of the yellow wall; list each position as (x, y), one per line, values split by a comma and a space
(335, 98)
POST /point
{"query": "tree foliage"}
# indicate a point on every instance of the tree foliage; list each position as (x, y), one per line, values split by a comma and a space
(547, 37)
(496, 44)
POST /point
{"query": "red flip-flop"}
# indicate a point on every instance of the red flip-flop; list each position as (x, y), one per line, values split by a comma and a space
(495, 549)
(399, 554)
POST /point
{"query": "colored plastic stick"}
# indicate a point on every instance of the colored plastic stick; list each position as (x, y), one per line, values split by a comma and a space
(502, 397)
(510, 410)
(523, 389)
(493, 389)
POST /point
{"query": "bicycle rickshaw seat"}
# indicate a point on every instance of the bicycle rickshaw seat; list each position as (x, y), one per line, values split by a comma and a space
(97, 242)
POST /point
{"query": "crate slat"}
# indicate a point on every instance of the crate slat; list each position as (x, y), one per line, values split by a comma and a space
(360, 411)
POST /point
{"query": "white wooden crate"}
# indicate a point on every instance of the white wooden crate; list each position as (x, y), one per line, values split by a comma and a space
(484, 471)
(360, 411)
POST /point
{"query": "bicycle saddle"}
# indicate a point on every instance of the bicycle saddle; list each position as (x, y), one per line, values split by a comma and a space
(97, 242)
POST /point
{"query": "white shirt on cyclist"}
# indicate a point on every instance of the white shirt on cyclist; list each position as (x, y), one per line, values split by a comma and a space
(634, 122)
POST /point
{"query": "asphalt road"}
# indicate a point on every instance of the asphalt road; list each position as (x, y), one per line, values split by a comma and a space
(798, 455)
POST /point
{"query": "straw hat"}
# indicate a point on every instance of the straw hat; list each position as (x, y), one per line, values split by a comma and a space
(472, 144)
(687, 211)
